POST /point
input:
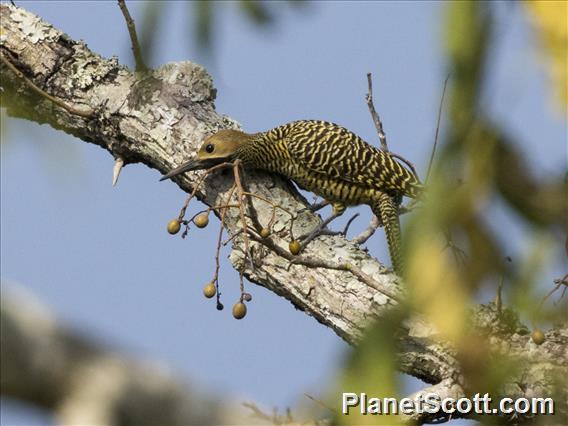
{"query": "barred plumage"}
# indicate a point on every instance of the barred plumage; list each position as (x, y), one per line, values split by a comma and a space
(326, 159)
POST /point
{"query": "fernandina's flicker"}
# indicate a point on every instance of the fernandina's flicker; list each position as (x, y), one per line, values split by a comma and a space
(323, 158)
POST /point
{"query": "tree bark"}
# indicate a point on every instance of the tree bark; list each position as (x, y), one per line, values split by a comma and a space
(159, 119)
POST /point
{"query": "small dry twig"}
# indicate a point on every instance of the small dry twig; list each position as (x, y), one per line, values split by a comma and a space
(218, 249)
(459, 254)
(379, 126)
(348, 224)
(368, 233)
(374, 115)
(437, 129)
(241, 194)
(85, 113)
(198, 183)
(257, 412)
(499, 296)
(232, 237)
(274, 207)
(376, 223)
(274, 419)
(405, 161)
(323, 404)
(558, 283)
(138, 58)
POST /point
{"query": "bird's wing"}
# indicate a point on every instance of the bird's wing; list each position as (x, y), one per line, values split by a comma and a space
(335, 152)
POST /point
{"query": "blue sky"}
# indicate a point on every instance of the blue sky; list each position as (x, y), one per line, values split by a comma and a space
(100, 257)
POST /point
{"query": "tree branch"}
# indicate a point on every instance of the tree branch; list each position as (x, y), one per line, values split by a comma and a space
(138, 57)
(83, 383)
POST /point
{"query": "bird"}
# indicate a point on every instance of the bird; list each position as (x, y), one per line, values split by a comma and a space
(326, 159)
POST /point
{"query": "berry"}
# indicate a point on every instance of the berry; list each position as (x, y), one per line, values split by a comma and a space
(174, 226)
(538, 337)
(209, 290)
(202, 220)
(294, 247)
(239, 310)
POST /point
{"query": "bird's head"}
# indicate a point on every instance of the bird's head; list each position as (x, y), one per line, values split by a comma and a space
(216, 149)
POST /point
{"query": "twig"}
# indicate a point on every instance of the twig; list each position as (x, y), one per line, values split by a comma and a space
(459, 254)
(437, 128)
(232, 237)
(138, 59)
(86, 113)
(219, 207)
(323, 404)
(407, 208)
(349, 222)
(374, 115)
(198, 183)
(558, 282)
(274, 207)
(367, 233)
(499, 296)
(562, 281)
(376, 222)
(379, 126)
(241, 192)
(405, 161)
(241, 286)
(218, 249)
(257, 412)
(217, 263)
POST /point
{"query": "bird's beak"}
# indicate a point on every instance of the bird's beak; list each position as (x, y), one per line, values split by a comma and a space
(191, 165)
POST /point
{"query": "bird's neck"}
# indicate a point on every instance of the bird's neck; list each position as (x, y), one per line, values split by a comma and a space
(258, 151)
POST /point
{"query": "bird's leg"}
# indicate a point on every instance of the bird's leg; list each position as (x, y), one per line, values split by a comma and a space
(338, 210)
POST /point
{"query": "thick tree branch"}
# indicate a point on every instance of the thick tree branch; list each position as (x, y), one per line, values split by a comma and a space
(160, 118)
(83, 383)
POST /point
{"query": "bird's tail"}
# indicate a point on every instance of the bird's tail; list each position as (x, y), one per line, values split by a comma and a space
(386, 208)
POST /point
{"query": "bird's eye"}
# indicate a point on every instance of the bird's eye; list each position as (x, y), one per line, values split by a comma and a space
(210, 148)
